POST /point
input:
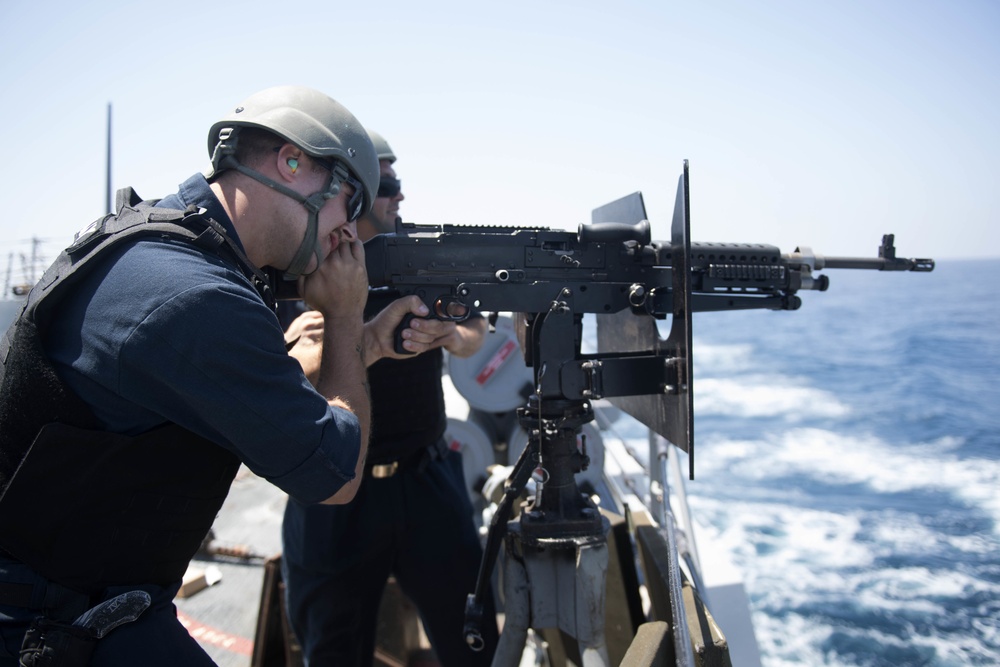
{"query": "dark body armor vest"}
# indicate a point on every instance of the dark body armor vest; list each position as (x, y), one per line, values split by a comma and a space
(84, 507)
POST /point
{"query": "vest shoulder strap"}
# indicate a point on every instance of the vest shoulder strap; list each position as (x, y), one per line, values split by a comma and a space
(134, 217)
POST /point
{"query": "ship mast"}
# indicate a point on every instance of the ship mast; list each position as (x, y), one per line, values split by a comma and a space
(107, 200)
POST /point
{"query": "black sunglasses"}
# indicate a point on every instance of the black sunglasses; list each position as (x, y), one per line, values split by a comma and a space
(356, 204)
(389, 187)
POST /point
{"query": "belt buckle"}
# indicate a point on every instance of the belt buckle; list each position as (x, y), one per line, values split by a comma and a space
(383, 470)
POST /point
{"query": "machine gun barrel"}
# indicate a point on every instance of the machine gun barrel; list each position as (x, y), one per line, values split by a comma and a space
(739, 276)
(886, 260)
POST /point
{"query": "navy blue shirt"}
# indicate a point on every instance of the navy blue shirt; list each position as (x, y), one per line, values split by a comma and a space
(164, 332)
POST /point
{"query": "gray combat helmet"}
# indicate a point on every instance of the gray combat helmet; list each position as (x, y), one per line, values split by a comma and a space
(311, 120)
(382, 148)
(318, 125)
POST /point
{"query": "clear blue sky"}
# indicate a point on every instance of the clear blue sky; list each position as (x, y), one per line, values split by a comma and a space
(820, 124)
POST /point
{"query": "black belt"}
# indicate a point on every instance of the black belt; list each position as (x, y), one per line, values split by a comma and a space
(42, 594)
(63, 603)
(417, 460)
(15, 595)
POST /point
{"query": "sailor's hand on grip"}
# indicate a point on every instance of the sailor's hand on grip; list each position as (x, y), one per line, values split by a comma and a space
(390, 333)
(439, 329)
(397, 335)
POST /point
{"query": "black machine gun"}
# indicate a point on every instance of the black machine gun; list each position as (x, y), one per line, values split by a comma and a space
(607, 267)
(612, 268)
(615, 270)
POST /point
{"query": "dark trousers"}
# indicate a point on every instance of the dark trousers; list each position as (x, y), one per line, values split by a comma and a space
(155, 639)
(416, 525)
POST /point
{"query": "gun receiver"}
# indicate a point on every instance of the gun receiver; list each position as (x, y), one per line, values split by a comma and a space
(518, 269)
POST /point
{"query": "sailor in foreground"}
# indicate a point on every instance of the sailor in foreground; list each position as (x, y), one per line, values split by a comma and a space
(149, 363)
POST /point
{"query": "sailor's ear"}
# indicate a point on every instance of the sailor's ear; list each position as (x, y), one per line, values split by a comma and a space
(289, 161)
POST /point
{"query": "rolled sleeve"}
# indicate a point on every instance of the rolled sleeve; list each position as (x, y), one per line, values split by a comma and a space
(330, 466)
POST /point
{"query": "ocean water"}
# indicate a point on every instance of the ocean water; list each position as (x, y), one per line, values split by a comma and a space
(848, 459)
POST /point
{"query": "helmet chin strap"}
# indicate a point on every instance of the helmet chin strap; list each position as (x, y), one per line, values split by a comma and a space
(309, 247)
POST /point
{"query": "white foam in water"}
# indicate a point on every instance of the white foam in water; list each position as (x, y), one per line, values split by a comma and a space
(797, 641)
(912, 589)
(802, 557)
(797, 562)
(739, 392)
(797, 558)
(832, 458)
(792, 641)
(722, 358)
(795, 543)
(764, 396)
(905, 534)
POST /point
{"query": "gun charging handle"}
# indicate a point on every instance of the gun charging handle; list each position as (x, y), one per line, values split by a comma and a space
(614, 231)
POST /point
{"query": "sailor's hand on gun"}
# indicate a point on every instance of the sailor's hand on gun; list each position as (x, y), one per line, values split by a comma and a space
(384, 335)
(305, 334)
(450, 326)
(461, 339)
(433, 333)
